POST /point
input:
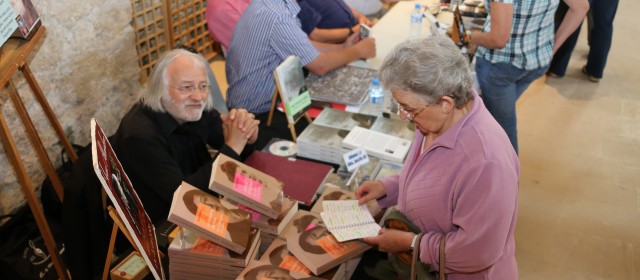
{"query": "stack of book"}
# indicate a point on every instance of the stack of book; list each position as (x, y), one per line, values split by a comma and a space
(193, 256)
(255, 192)
(322, 139)
(322, 143)
(311, 243)
(278, 255)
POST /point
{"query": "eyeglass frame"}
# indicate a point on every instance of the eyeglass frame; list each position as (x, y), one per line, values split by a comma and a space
(192, 89)
(410, 116)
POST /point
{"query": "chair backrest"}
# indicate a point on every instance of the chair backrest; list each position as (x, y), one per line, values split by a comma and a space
(218, 101)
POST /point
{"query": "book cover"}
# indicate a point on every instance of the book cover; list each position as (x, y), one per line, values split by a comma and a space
(344, 120)
(301, 178)
(333, 192)
(396, 127)
(261, 270)
(270, 225)
(309, 240)
(322, 143)
(247, 186)
(116, 184)
(345, 85)
(8, 22)
(278, 254)
(383, 146)
(27, 18)
(291, 85)
(213, 218)
(190, 245)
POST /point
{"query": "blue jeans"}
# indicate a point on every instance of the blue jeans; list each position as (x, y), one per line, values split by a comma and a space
(501, 85)
(603, 12)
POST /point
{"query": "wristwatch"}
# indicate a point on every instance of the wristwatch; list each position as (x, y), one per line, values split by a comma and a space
(413, 243)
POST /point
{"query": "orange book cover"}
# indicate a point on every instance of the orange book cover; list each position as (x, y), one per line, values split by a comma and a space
(216, 219)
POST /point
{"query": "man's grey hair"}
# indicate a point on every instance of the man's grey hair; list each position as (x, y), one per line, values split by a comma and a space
(429, 68)
(158, 86)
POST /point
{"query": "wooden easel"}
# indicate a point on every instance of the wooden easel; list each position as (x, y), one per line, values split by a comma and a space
(291, 125)
(117, 224)
(13, 58)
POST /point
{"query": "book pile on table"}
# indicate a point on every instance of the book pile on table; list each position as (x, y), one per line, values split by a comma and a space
(221, 235)
(305, 249)
(194, 257)
(326, 139)
(322, 139)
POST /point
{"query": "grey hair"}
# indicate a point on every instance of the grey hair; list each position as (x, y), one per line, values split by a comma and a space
(429, 68)
(158, 86)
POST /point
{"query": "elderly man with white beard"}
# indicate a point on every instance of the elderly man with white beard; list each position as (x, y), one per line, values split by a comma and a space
(163, 139)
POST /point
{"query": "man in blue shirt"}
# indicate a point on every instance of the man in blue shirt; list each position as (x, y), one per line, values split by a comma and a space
(330, 21)
(267, 33)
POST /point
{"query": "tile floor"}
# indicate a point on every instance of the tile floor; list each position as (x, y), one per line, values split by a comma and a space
(579, 199)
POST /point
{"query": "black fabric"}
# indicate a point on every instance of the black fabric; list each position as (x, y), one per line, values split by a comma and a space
(23, 253)
(157, 154)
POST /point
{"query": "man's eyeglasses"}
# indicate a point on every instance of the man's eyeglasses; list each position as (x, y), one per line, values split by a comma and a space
(192, 89)
(409, 113)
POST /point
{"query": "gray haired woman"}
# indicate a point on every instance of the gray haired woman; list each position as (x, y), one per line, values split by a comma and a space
(460, 179)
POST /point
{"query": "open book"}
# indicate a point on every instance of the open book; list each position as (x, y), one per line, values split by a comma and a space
(347, 220)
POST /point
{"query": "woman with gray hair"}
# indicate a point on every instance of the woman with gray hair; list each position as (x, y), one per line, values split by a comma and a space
(460, 179)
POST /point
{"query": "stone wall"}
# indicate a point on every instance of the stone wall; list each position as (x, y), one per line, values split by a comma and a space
(86, 66)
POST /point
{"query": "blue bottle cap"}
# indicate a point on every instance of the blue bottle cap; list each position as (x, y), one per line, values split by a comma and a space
(376, 81)
(418, 6)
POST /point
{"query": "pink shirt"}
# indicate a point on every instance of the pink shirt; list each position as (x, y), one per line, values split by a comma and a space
(222, 16)
(465, 187)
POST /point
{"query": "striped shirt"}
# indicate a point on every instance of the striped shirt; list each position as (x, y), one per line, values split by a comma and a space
(267, 33)
(531, 44)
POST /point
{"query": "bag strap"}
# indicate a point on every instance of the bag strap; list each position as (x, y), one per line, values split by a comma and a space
(416, 253)
(443, 242)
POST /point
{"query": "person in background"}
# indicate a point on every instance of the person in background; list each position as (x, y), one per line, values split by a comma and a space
(515, 48)
(160, 142)
(266, 34)
(600, 34)
(221, 17)
(460, 179)
(330, 21)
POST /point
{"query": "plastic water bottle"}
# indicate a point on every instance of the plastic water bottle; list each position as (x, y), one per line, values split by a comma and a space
(376, 96)
(415, 29)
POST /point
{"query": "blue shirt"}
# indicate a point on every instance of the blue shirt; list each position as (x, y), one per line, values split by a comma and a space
(325, 14)
(532, 33)
(267, 33)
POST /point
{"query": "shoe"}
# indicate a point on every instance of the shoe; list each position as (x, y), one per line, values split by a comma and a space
(553, 75)
(591, 78)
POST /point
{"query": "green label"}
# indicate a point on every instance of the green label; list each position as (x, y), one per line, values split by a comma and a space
(298, 103)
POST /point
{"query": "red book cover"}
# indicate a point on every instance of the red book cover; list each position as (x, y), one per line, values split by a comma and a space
(301, 178)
